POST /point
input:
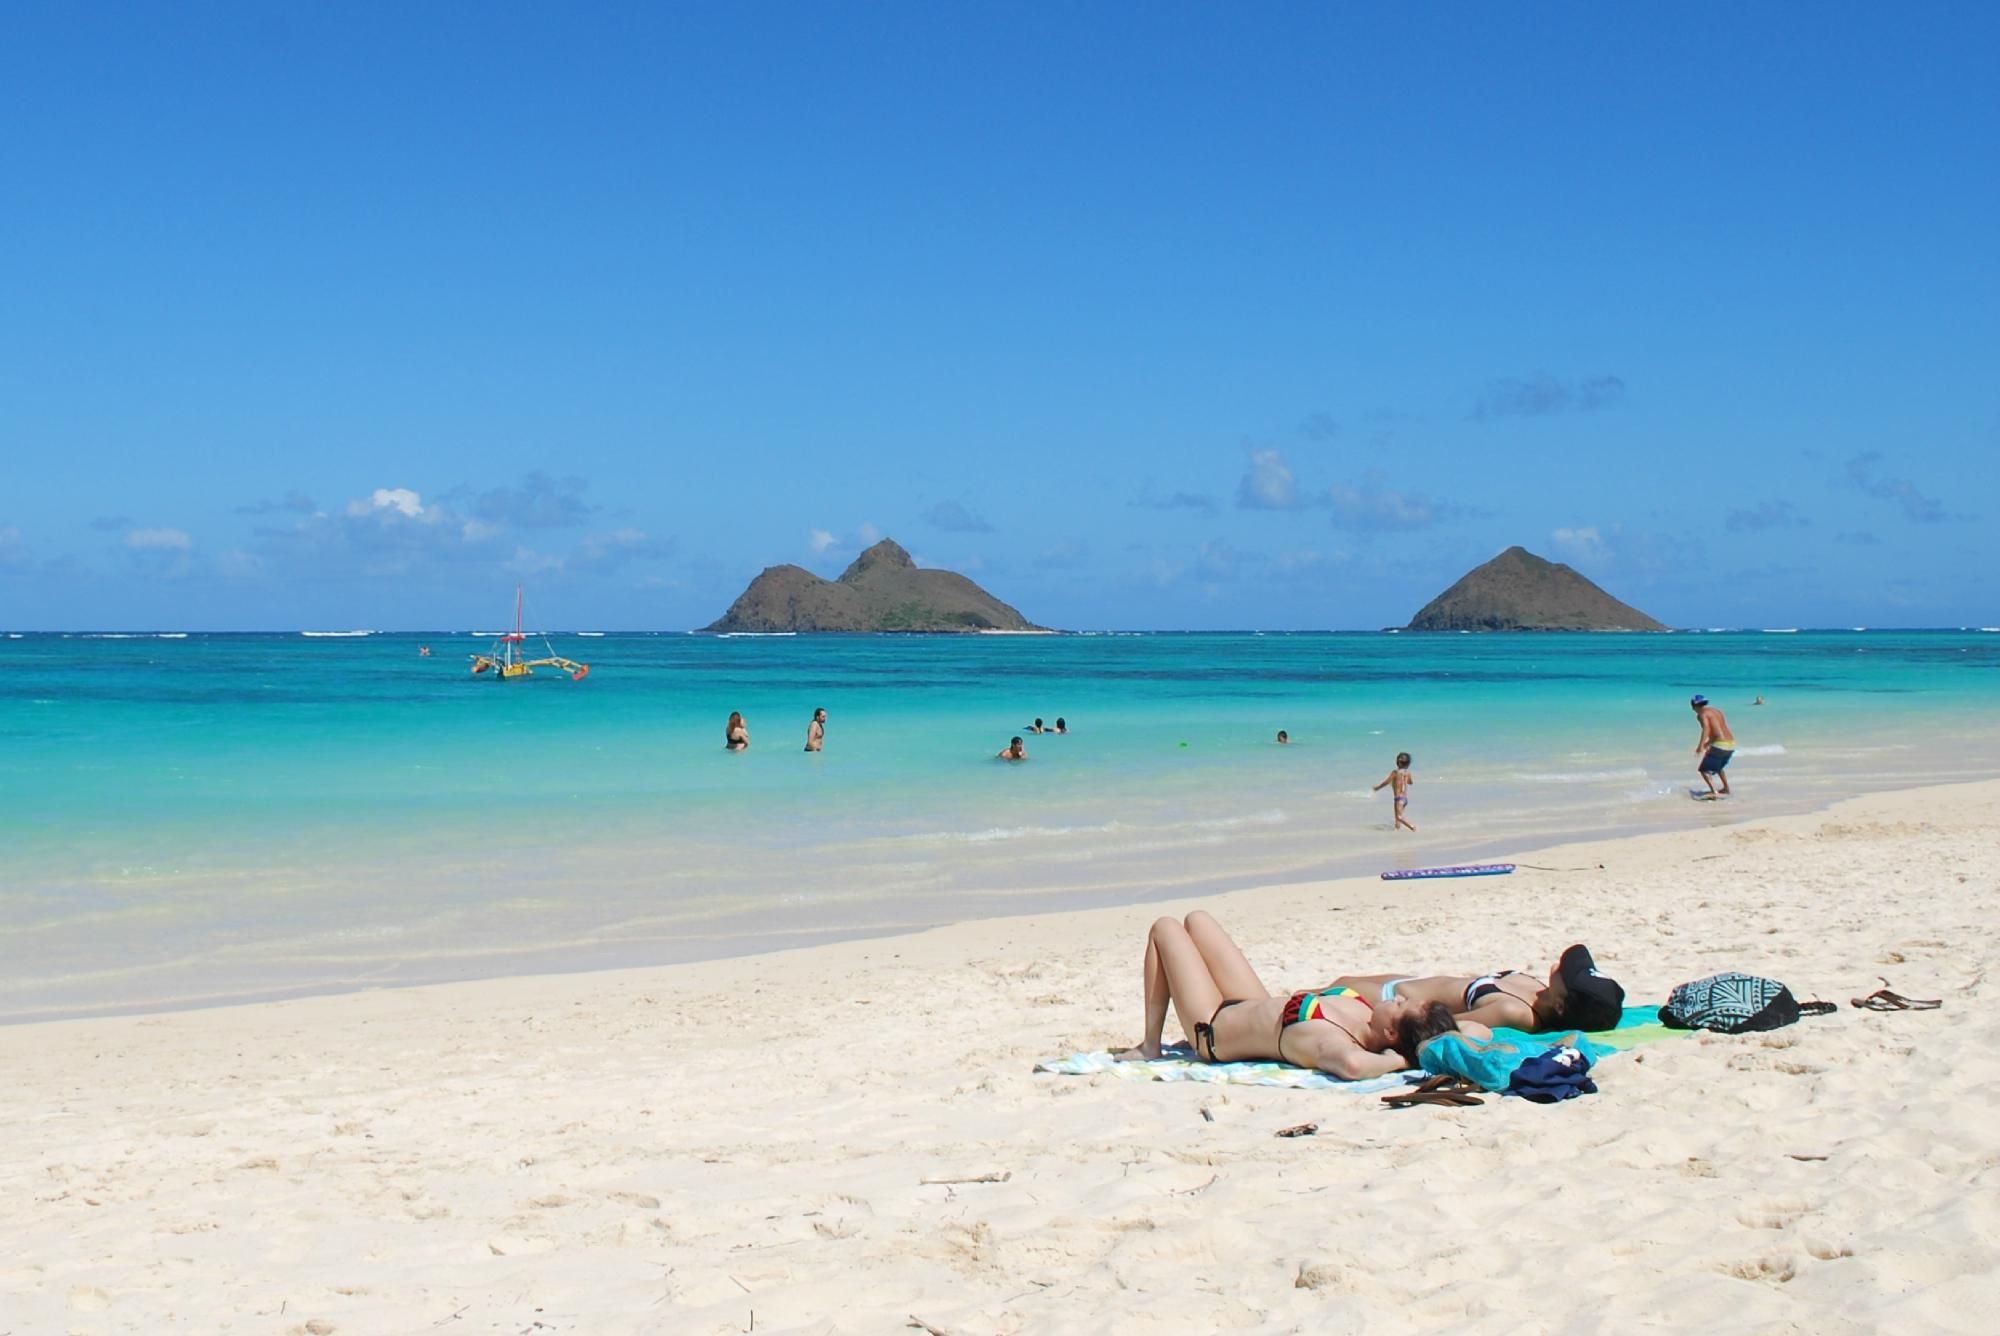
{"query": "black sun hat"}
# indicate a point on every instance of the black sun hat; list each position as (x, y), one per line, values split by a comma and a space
(1591, 1000)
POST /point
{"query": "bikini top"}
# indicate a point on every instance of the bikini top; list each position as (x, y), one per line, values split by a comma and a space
(1485, 986)
(1311, 1006)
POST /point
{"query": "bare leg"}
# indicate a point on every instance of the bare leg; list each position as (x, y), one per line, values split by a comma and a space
(1723, 777)
(1402, 820)
(1226, 962)
(1176, 973)
(1707, 779)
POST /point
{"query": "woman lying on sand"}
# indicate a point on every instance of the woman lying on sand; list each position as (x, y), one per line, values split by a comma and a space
(1576, 996)
(1230, 1016)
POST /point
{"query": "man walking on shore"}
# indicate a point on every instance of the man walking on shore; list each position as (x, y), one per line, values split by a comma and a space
(1716, 747)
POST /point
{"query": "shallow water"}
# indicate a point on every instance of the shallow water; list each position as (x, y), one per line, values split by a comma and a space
(217, 816)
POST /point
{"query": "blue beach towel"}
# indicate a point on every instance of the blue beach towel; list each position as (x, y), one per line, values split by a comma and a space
(1491, 1064)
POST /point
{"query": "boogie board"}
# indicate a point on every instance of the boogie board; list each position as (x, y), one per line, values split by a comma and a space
(1462, 870)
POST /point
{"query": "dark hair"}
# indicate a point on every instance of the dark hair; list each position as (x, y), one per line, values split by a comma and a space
(1061, 722)
(1016, 742)
(1402, 758)
(1426, 1022)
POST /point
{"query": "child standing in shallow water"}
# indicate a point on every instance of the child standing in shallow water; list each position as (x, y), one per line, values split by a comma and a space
(1401, 779)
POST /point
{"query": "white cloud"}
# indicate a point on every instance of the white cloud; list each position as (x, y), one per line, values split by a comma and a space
(869, 535)
(821, 542)
(1269, 485)
(400, 499)
(158, 540)
(1585, 544)
(478, 531)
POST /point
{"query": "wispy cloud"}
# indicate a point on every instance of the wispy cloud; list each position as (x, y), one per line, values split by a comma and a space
(618, 547)
(292, 503)
(540, 502)
(1369, 505)
(1585, 544)
(1269, 484)
(1542, 395)
(953, 517)
(1319, 426)
(1148, 499)
(821, 541)
(158, 540)
(1862, 473)
(1767, 515)
(1219, 563)
(1064, 555)
(161, 553)
(391, 533)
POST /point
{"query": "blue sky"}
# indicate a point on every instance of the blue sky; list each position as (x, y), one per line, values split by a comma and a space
(1160, 316)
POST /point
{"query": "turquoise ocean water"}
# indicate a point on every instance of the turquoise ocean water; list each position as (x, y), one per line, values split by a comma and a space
(196, 819)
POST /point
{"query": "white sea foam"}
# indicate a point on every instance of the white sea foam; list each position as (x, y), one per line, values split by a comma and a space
(593, 635)
(1781, 630)
(1272, 817)
(996, 834)
(113, 635)
(171, 635)
(1584, 776)
(335, 635)
(1764, 749)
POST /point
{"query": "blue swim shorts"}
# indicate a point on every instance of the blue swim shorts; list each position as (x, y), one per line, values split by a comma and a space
(1716, 760)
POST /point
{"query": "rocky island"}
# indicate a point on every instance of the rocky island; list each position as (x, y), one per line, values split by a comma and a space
(884, 590)
(1519, 591)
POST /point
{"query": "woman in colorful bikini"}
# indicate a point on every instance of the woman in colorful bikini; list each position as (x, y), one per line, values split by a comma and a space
(1575, 997)
(1230, 1016)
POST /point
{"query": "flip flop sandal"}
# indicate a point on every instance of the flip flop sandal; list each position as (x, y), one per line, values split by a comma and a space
(1416, 1097)
(1452, 1090)
(1882, 999)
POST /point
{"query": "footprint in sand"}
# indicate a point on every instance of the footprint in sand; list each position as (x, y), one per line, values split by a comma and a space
(1770, 1270)
(88, 1299)
(1771, 1215)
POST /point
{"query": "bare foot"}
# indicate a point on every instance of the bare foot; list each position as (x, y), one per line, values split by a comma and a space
(1143, 1053)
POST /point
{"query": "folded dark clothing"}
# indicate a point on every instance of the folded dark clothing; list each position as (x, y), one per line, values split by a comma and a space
(1559, 1073)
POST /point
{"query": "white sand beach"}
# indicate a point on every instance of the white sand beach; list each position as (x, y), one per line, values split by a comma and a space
(745, 1144)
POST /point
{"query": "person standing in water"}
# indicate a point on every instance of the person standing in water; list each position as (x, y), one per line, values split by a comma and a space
(735, 734)
(1716, 747)
(816, 731)
(1400, 779)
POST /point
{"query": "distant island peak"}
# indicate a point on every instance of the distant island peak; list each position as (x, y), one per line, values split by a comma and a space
(883, 589)
(1519, 591)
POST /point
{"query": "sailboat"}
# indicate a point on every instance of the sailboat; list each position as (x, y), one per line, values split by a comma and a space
(508, 660)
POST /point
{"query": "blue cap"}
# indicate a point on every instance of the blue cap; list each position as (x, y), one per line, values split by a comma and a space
(1698, 701)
